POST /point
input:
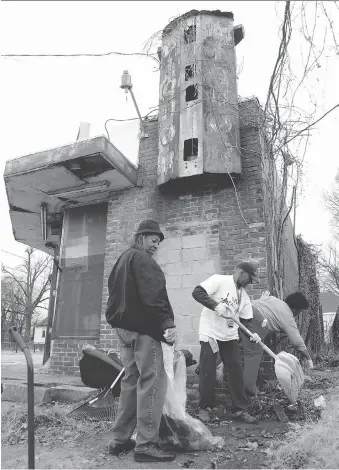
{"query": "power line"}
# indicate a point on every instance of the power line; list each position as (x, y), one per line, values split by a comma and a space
(14, 269)
(104, 54)
(124, 120)
(13, 254)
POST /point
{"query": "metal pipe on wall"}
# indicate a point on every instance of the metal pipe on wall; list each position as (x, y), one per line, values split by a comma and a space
(43, 219)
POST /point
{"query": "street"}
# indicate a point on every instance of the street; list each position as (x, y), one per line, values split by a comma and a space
(14, 366)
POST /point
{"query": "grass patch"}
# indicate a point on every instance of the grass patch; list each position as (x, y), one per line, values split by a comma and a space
(51, 424)
(312, 445)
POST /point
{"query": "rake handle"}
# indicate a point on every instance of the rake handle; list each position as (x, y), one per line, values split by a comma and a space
(111, 387)
(250, 334)
(118, 377)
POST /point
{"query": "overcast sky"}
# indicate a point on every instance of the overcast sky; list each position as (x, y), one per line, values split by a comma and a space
(43, 100)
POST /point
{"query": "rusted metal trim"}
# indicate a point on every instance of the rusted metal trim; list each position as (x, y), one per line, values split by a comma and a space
(19, 209)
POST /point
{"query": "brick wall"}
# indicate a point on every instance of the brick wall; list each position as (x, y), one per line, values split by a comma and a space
(202, 224)
(188, 255)
(205, 232)
(65, 356)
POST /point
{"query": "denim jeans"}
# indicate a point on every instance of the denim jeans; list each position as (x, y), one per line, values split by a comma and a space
(230, 355)
(143, 389)
(253, 353)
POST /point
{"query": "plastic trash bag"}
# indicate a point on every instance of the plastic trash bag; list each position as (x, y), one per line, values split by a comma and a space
(178, 430)
(175, 367)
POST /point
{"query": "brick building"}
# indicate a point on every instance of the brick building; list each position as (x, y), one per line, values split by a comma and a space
(201, 175)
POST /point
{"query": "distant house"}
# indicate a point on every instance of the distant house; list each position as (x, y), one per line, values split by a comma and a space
(39, 335)
(330, 304)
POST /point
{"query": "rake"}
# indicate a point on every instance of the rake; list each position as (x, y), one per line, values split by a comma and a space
(102, 407)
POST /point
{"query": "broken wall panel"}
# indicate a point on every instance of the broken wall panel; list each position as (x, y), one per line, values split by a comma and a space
(81, 281)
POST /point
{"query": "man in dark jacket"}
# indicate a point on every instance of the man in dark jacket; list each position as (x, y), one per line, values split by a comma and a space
(139, 308)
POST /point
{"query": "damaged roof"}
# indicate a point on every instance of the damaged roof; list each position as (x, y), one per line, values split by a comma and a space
(172, 24)
(80, 173)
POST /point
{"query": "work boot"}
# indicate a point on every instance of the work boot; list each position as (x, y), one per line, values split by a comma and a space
(152, 454)
(245, 417)
(204, 415)
(116, 448)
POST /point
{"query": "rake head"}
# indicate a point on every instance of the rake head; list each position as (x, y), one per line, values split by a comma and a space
(104, 408)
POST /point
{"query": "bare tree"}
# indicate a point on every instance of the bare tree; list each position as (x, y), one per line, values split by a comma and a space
(331, 200)
(328, 268)
(290, 114)
(329, 258)
(334, 333)
(12, 311)
(31, 289)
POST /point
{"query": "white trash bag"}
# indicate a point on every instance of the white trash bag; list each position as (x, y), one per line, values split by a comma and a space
(178, 430)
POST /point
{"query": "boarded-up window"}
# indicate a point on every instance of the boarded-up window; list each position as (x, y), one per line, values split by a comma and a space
(79, 295)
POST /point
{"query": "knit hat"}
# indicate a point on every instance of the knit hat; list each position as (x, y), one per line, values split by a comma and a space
(150, 226)
(250, 270)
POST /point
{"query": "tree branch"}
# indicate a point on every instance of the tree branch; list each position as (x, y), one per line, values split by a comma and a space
(16, 280)
(43, 290)
(308, 127)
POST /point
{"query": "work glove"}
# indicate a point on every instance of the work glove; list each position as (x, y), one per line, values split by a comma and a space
(255, 338)
(265, 294)
(309, 363)
(171, 335)
(222, 310)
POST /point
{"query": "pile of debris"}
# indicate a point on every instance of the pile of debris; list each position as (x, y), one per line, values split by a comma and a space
(272, 402)
(51, 425)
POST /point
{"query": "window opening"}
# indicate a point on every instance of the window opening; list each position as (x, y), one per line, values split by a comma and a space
(191, 93)
(190, 34)
(190, 149)
(189, 72)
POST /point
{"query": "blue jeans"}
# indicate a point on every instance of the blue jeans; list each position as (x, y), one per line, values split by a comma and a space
(143, 389)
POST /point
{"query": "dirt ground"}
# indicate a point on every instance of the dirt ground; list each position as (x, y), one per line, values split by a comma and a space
(84, 444)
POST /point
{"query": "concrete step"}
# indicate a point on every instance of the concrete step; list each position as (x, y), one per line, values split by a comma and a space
(17, 392)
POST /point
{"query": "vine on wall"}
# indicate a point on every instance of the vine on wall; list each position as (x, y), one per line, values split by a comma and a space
(312, 321)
